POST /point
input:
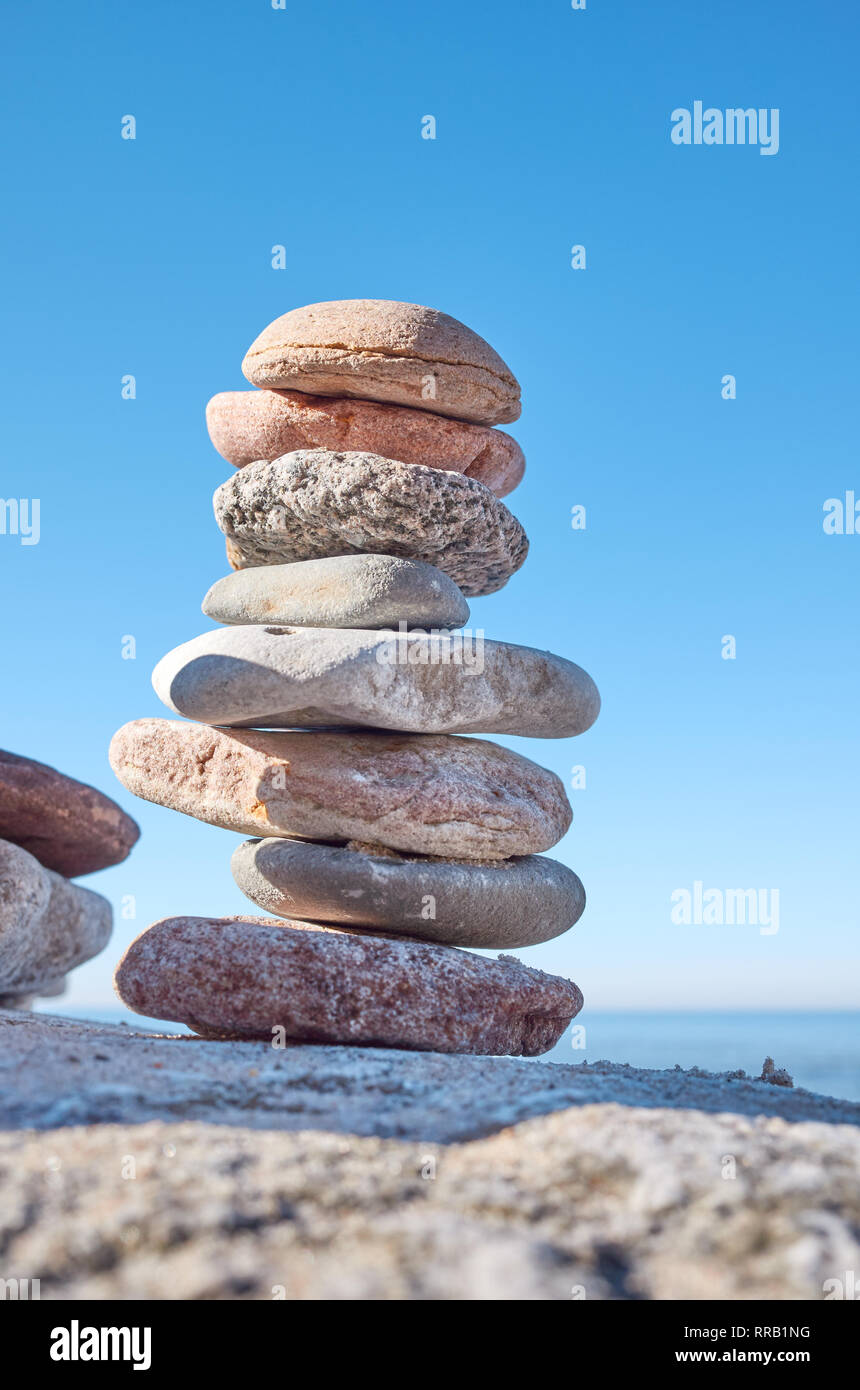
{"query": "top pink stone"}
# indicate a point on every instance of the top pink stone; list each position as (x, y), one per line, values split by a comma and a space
(382, 350)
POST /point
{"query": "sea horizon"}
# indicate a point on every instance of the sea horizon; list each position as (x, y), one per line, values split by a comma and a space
(820, 1049)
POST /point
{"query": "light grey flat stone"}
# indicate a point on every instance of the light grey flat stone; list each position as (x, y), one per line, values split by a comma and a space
(352, 591)
(282, 677)
(48, 925)
(500, 905)
(25, 890)
(42, 989)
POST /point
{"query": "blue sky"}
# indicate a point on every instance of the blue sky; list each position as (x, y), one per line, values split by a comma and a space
(258, 127)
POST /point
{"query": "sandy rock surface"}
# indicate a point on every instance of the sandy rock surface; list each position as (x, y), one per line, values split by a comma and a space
(56, 1071)
(396, 1176)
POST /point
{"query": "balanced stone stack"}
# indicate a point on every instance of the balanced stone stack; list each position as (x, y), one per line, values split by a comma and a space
(330, 708)
(52, 829)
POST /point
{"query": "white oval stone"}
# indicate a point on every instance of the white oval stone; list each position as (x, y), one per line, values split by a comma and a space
(288, 677)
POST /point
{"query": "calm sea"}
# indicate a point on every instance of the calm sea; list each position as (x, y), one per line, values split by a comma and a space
(820, 1050)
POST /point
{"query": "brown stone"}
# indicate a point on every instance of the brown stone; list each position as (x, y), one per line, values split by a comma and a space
(250, 977)
(68, 826)
(384, 350)
(246, 426)
(438, 794)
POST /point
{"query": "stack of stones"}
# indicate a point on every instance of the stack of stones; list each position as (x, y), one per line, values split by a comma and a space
(330, 708)
(53, 829)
